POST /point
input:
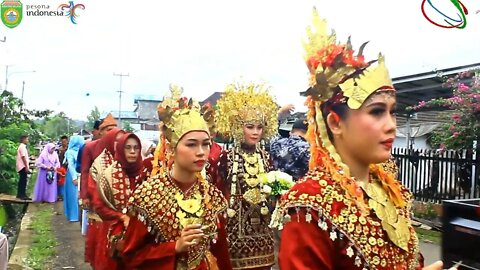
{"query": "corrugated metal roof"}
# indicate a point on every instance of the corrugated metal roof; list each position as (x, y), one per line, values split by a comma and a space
(147, 98)
(425, 86)
(123, 114)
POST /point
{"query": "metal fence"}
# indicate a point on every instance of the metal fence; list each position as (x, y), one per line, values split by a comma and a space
(434, 175)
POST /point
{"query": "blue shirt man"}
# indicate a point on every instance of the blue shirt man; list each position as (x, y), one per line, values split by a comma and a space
(291, 155)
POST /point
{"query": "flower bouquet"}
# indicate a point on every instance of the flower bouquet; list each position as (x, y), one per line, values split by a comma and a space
(275, 183)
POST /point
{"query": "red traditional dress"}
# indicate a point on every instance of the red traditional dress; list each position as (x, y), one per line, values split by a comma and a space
(319, 219)
(213, 158)
(331, 220)
(106, 149)
(243, 110)
(251, 241)
(110, 202)
(91, 151)
(161, 209)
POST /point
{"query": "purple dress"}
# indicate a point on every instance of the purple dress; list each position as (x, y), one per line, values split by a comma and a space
(46, 185)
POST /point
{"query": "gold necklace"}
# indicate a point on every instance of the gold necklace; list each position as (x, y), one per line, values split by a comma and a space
(252, 170)
(191, 211)
(250, 158)
(395, 225)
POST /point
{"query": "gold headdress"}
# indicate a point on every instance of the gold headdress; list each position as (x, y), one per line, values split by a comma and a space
(178, 116)
(245, 104)
(339, 76)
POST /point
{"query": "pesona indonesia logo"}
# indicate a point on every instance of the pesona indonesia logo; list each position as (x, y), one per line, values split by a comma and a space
(12, 13)
(445, 13)
(71, 10)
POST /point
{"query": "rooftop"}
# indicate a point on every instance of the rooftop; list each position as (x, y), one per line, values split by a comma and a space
(123, 114)
(412, 89)
(150, 98)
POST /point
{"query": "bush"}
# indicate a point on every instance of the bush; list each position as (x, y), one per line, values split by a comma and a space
(8, 173)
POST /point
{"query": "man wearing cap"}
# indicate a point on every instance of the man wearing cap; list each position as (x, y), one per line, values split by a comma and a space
(291, 155)
(91, 151)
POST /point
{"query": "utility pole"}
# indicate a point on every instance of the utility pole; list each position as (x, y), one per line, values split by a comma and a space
(121, 75)
(23, 90)
(6, 77)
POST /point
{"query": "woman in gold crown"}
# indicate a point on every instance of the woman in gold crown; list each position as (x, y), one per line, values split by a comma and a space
(348, 212)
(176, 215)
(247, 113)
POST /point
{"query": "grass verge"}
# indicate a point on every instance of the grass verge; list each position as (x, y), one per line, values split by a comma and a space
(429, 236)
(44, 242)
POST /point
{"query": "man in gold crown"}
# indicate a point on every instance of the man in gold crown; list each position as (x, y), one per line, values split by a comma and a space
(176, 215)
(248, 114)
(348, 212)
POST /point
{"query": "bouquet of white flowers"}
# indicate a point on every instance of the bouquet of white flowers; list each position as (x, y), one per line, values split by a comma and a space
(275, 183)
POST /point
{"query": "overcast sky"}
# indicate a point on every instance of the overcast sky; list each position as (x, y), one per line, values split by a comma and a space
(203, 45)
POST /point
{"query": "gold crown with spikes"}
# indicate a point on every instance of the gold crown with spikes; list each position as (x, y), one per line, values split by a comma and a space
(334, 69)
(339, 76)
(179, 115)
(246, 103)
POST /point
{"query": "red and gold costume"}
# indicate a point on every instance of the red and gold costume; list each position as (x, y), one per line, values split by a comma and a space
(212, 165)
(110, 201)
(90, 153)
(93, 241)
(251, 240)
(160, 209)
(328, 219)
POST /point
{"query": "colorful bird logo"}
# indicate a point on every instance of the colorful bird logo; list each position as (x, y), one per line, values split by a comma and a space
(71, 10)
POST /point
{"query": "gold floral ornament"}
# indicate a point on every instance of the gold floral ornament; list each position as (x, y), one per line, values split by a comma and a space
(178, 116)
(191, 209)
(246, 103)
(334, 68)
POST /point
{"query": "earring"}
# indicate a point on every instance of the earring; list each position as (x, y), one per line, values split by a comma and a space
(335, 117)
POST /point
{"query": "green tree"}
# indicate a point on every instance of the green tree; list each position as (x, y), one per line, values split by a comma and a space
(57, 125)
(128, 127)
(92, 117)
(14, 122)
(12, 111)
(463, 125)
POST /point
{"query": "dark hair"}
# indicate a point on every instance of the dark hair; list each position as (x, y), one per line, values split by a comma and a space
(64, 137)
(97, 123)
(23, 137)
(300, 124)
(341, 109)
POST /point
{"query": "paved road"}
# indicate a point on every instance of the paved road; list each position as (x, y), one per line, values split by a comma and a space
(431, 252)
(71, 243)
